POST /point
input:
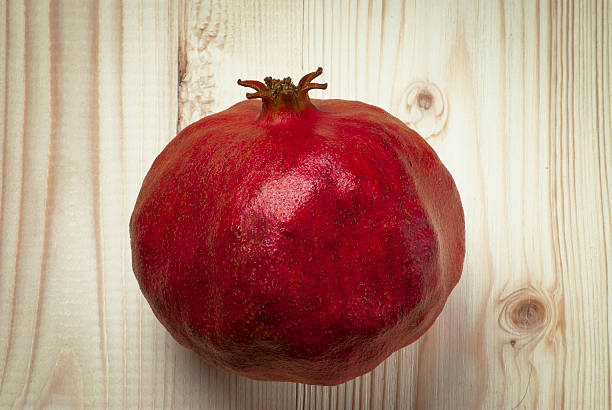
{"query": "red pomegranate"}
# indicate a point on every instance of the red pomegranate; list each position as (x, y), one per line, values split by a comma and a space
(295, 239)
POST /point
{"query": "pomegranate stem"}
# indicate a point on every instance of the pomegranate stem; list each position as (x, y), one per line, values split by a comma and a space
(282, 95)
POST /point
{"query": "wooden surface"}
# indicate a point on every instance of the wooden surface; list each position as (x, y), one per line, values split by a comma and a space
(514, 96)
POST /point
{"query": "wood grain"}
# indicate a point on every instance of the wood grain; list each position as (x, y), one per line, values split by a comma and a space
(514, 96)
(89, 97)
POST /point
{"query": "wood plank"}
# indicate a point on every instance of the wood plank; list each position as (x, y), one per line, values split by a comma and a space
(82, 100)
(221, 41)
(494, 120)
(224, 40)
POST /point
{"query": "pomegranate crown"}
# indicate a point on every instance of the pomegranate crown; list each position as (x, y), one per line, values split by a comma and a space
(282, 95)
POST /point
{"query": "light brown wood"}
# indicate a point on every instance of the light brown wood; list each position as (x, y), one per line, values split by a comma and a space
(514, 96)
(89, 97)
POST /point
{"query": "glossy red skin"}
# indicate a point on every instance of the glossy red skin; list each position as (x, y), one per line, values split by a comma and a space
(302, 247)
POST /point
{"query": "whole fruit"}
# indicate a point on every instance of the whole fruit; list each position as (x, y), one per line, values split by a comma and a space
(295, 239)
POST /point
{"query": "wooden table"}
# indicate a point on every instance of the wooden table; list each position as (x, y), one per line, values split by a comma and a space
(515, 96)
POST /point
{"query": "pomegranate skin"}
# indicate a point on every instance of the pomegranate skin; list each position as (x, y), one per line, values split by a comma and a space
(306, 245)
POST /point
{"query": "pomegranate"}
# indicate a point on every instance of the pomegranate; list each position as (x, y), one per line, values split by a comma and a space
(299, 240)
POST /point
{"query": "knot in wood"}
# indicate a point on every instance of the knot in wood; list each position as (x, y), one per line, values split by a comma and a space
(423, 107)
(425, 99)
(528, 314)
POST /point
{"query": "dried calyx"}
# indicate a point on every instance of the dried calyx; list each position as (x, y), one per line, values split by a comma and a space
(282, 95)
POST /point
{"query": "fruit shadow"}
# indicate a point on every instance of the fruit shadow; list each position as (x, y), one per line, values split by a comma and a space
(423, 375)
(206, 387)
(450, 359)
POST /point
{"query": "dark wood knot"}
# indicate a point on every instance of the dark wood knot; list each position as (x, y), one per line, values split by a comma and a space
(424, 108)
(527, 315)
